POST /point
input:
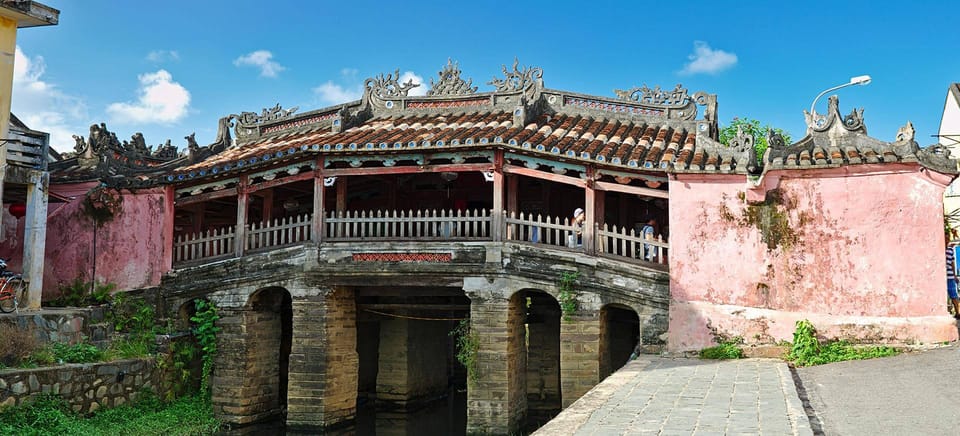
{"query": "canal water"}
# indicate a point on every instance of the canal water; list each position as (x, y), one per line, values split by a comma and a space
(447, 416)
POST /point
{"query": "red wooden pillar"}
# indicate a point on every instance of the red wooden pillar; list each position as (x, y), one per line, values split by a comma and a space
(266, 197)
(513, 181)
(318, 203)
(242, 202)
(169, 208)
(496, 220)
(590, 208)
(341, 194)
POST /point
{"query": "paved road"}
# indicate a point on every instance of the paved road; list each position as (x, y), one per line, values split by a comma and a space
(664, 396)
(914, 393)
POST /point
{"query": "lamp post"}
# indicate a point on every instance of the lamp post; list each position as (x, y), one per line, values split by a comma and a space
(858, 80)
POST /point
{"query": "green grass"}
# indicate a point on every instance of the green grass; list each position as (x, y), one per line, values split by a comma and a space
(729, 349)
(807, 350)
(49, 415)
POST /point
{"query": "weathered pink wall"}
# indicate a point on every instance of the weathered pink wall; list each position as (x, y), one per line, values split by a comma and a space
(867, 263)
(129, 250)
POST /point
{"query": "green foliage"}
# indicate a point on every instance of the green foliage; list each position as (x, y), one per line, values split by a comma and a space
(567, 297)
(205, 331)
(79, 293)
(729, 349)
(468, 347)
(807, 350)
(753, 128)
(132, 315)
(182, 354)
(78, 353)
(50, 415)
(130, 347)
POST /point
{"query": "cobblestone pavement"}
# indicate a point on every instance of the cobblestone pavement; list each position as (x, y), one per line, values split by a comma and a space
(664, 396)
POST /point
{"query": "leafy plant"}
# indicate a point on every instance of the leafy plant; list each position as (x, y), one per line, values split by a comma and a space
(753, 128)
(102, 293)
(468, 348)
(567, 297)
(205, 331)
(729, 349)
(79, 292)
(132, 315)
(807, 350)
(79, 353)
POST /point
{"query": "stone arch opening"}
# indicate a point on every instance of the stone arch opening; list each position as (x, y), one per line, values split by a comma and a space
(186, 311)
(542, 324)
(269, 323)
(619, 335)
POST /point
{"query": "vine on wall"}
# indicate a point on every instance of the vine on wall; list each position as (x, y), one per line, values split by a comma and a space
(205, 331)
(468, 347)
(567, 297)
(102, 204)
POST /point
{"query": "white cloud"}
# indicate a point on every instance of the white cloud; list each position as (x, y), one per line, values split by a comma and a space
(261, 59)
(43, 106)
(707, 60)
(159, 56)
(161, 101)
(331, 93)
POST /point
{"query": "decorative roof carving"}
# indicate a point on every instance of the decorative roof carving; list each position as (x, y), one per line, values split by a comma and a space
(528, 80)
(450, 82)
(385, 87)
(266, 115)
(822, 123)
(655, 96)
(906, 132)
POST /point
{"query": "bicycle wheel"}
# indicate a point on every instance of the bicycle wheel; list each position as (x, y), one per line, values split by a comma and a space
(12, 295)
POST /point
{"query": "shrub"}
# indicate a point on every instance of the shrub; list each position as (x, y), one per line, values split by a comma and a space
(728, 349)
(807, 350)
(79, 353)
(16, 344)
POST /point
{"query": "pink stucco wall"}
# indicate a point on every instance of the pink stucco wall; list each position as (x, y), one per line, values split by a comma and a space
(863, 258)
(129, 249)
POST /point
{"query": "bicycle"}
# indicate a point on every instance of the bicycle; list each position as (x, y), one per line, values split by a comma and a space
(12, 290)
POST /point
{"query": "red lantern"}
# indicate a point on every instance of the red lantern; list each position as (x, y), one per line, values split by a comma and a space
(18, 210)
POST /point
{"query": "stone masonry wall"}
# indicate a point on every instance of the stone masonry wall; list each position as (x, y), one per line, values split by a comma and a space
(543, 358)
(86, 387)
(579, 355)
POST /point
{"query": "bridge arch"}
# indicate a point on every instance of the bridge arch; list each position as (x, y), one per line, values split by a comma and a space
(542, 325)
(619, 336)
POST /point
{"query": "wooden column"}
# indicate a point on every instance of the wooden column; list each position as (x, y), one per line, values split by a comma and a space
(590, 208)
(241, 234)
(513, 182)
(497, 219)
(35, 238)
(341, 193)
(318, 203)
(266, 196)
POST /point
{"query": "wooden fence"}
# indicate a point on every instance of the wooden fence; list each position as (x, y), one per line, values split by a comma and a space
(279, 232)
(624, 242)
(407, 225)
(209, 245)
(419, 225)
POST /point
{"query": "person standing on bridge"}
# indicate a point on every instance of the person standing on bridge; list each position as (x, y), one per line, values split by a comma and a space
(952, 273)
(575, 239)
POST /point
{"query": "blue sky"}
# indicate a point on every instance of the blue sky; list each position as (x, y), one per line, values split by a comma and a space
(169, 68)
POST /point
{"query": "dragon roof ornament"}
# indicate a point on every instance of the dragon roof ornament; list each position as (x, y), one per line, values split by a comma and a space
(380, 90)
(655, 96)
(450, 82)
(528, 80)
(247, 122)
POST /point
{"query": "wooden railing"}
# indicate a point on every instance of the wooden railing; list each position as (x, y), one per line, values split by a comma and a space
(541, 230)
(400, 225)
(209, 245)
(279, 232)
(432, 225)
(624, 242)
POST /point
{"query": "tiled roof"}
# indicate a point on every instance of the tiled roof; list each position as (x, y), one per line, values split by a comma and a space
(631, 144)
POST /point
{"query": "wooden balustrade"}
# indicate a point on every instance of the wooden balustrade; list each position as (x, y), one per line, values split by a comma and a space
(419, 225)
(541, 230)
(209, 245)
(625, 242)
(407, 225)
(279, 232)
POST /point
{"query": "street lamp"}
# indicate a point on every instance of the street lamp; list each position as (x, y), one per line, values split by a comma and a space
(858, 80)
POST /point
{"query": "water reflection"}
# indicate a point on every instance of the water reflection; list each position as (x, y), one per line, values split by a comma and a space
(447, 416)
